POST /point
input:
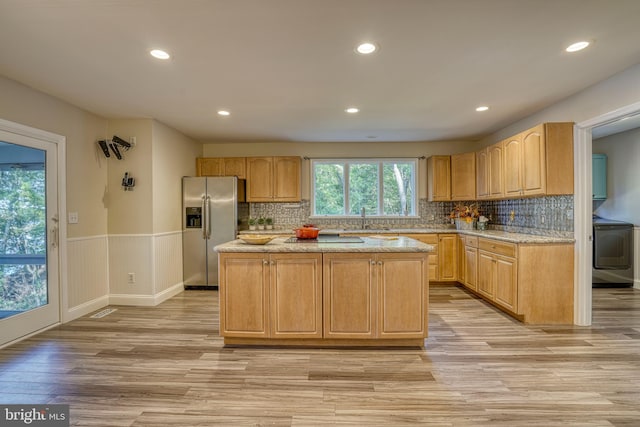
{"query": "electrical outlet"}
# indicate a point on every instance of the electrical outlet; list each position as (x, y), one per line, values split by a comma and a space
(512, 215)
(542, 219)
(132, 141)
(432, 217)
(131, 278)
(73, 217)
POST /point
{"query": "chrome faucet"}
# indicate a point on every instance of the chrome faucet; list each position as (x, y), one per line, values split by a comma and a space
(363, 214)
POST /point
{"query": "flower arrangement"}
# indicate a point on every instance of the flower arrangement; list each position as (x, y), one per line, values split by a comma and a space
(468, 213)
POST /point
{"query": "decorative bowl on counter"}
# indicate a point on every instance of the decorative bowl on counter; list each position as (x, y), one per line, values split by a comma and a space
(307, 232)
(256, 239)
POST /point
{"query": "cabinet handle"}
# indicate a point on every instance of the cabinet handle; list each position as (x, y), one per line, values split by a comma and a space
(265, 262)
(379, 262)
(373, 262)
(273, 263)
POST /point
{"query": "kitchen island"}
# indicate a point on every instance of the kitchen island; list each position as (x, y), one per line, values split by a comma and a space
(369, 293)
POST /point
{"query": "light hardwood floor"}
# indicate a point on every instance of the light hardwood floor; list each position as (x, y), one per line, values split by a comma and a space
(166, 366)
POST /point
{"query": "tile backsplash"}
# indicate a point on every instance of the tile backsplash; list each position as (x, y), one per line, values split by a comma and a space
(550, 215)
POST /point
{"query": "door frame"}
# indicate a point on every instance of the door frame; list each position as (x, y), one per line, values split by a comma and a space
(583, 226)
(60, 143)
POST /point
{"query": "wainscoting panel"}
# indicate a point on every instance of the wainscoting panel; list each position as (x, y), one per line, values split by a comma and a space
(131, 255)
(167, 261)
(88, 274)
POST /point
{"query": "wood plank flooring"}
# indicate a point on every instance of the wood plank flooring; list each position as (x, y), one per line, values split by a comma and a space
(166, 365)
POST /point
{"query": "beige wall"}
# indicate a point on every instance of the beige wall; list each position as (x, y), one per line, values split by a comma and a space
(174, 156)
(341, 149)
(130, 212)
(618, 91)
(86, 166)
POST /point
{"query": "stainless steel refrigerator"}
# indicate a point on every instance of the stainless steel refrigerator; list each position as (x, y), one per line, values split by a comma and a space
(209, 217)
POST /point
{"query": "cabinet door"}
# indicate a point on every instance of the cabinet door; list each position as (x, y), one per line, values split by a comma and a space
(403, 295)
(439, 178)
(349, 296)
(447, 257)
(259, 179)
(599, 176)
(482, 174)
(512, 166)
(286, 179)
(244, 295)
(461, 259)
(506, 283)
(485, 274)
(496, 178)
(296, 295)
(235, 166)
(209, 166)
(471, 268)
(463, 176)
(534, 169)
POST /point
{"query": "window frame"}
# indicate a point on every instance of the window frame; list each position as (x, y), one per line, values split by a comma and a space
(380, 162)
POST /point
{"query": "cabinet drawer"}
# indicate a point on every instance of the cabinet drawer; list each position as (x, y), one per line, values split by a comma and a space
(497, 247)
(471, 241)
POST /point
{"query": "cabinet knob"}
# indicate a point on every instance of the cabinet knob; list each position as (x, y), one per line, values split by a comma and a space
(273, 263)
(265, 262)
(373, 262)
(379, 262)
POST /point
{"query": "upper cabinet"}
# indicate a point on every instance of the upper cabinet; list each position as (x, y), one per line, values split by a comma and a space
(273, 179)
(463, 176)
(439, 178)
(599, 166)
(539, 161)
(221, 166)
(495, 171)
(482, 174)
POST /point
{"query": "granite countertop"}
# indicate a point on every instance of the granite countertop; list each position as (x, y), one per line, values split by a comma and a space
(369, 244)
(504, 236)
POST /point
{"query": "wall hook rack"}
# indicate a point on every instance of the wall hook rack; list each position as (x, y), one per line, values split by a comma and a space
(116, 144)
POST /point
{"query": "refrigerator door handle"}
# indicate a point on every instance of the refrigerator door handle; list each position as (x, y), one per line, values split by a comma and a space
(208, 219)
(204, 218)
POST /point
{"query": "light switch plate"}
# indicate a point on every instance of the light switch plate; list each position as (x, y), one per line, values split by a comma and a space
(73, 217)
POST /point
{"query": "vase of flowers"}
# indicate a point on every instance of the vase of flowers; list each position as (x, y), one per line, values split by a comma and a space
(465, 216)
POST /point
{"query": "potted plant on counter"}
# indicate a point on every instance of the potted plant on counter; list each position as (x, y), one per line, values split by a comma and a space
(268, 223)
(261, 223)
(465, 216)
(252, 224)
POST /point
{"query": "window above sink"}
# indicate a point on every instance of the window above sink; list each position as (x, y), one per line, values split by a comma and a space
(383, 187)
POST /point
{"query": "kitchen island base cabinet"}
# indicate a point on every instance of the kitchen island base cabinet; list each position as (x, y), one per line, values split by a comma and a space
(276, 295)
(324, 300)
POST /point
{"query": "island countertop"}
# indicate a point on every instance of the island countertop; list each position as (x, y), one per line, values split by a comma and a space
(385, 244)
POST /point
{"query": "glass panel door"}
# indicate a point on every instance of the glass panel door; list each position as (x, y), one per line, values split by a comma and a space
(29, 290)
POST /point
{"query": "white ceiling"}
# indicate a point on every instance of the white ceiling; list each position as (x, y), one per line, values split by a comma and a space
(286, 69)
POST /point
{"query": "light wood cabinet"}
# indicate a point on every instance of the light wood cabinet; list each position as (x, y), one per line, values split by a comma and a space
(221, 166)
(273, 179)
(497, 273)
(482, 174)
(469, 275)
(495, 171)
(463, 176)
(461, 258)
(439, 178)
(429, 239)
(447, 265)
(271, 296)
(486, 284)
(539, 161)
(369, 296)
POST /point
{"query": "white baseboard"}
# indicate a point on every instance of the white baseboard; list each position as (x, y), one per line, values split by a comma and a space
(86, 308)
(145, 300)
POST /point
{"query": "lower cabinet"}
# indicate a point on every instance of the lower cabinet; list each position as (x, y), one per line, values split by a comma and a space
(471, 267)
(497, 273)
(375, 295)
(332, 296)
(271, 296)
(447, 266)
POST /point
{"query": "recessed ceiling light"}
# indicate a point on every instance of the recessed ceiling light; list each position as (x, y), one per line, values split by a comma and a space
(366, 48)
(223, 113)
(482, 108)
(352, 110)
(577, 46)
(160, 54)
